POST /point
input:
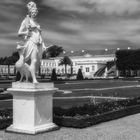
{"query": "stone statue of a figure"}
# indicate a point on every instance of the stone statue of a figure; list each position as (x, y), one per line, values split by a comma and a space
(32, 46)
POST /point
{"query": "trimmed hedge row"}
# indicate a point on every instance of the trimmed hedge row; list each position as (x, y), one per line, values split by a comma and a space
(84, 116)
(6, 96)
(87, 115)
(96, 109)
(6, 118)
(86, 120)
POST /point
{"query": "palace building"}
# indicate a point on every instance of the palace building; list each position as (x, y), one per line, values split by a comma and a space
(93, 63)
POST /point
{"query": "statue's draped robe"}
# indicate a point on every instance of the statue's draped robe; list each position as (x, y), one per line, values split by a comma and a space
(34, 41)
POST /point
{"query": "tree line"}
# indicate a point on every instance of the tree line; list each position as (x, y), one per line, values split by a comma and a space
(52, 51)
(128, 61)
(9, 60)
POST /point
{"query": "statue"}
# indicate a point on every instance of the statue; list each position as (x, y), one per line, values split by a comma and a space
(30, 51)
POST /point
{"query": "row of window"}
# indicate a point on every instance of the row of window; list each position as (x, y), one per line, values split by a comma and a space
(49, 64)
(87, 69)
(54, 64)
(48, 70)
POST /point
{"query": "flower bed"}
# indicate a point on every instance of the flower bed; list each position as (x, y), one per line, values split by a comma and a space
(87, 115)
(5, 118)
(86, 120)
(84, 116)
(6, 96)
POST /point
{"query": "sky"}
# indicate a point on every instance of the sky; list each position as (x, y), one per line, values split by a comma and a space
(75, 24)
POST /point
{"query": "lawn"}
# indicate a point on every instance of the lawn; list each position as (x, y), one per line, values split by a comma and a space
(68, 85)
(95, 84)
(128, 92)
(84, 92)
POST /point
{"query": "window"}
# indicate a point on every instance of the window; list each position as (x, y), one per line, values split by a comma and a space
(58, 71)
(47, 70)
(62, 71)
(69, 70)
(87, 69)
(93, 68)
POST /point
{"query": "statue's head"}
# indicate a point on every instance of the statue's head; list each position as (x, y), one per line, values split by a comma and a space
(32, 9)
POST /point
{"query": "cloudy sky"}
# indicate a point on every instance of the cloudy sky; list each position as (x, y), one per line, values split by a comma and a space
(75, 24)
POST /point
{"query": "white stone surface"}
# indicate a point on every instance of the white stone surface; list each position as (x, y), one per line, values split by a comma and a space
(32, 108)
(34, 130)
(24, 85)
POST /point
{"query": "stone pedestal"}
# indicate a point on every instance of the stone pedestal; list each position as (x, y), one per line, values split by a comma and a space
(32, 107)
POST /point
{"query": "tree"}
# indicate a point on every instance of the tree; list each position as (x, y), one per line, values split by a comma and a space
(79, 75)
(65, 61)
(53, 51)
(45, 55)
(128, 61)
(11, 60)
(53, 76)
(15, 57)
(1, 61)
(18, 76)
(8, 61)
(4, 59)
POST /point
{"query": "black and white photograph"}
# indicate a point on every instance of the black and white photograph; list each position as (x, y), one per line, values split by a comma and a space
(69, 69)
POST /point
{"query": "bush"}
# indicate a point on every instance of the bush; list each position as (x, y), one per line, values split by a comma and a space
(18, 76)
(6, 116)
(42, 76)
(53, 76)
(96, 109)
(6, 96)
(79, 75)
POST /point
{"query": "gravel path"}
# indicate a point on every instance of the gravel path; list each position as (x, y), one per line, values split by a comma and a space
(127, 128)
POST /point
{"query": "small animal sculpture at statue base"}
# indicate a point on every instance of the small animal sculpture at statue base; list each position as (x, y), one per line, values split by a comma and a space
(21, 66)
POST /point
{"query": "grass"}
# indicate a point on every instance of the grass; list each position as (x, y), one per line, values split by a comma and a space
(79, 89)
(119, 92)
(95, 84)
(64, 85)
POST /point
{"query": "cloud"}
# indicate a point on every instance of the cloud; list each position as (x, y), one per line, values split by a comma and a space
(103, 6)
(9, 2)
(118, 7)
(71, 5)
(111, 34)
(71, 25)
(75, 24)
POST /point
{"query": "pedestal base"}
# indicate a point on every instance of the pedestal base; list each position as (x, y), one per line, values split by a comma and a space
(32, 108)
(36, 130)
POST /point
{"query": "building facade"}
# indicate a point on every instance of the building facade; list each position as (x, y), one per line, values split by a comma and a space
(88, 62)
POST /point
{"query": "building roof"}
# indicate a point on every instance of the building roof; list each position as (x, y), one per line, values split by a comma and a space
(88, 53)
